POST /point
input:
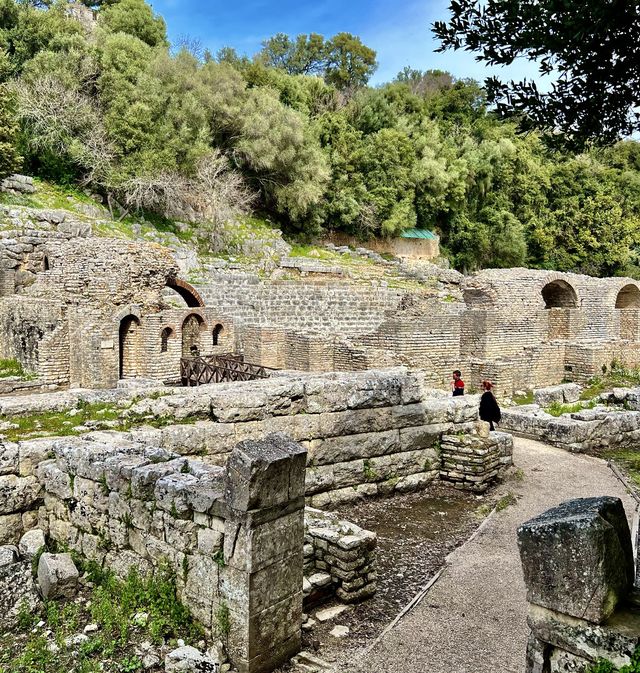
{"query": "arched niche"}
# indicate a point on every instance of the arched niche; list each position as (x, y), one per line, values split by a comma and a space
(216, 334)
(628, 309)
(193, 328)
(559, 294)
(130, 347)
(166, 334)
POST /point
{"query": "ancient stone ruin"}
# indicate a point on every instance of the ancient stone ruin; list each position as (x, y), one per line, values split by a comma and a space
(123, 311)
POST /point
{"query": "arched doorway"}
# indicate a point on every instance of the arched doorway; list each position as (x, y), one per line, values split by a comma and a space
(215, 335)
(559, 298)
(130, 340)
(628, 305)
(192, 329)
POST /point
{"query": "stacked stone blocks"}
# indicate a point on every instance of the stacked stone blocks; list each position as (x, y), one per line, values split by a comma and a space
(339, 558)
(472, 461)
(232, 537)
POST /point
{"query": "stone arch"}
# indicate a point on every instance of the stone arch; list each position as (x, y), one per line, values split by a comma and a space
(215, 334)
(628, 297)
(187, 292)
(559, 294)
(193, 327)
(166, 334)
(628, 310)
(130, 347)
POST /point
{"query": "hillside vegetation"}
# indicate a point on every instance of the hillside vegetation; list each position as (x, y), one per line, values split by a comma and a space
(296, 134)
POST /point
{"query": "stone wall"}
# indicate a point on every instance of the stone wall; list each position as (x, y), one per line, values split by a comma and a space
(472, 462)
(597, 428)
(366, 433)
(232, 536)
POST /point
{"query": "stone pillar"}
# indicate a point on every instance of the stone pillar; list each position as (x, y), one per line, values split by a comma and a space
(578, 567)
(264, 534)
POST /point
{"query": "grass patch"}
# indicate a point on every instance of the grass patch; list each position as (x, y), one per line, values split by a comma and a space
(113, 606)
(505, 501)
(614, 376)
(527, 398)
(72, 422)
(13, 369)
(628, 460)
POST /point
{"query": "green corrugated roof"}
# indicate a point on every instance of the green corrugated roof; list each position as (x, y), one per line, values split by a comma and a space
(417, 233)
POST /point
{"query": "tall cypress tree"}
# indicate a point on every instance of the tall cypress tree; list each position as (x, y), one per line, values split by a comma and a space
(10, 159)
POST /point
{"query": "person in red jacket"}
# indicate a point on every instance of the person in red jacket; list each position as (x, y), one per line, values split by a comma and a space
(457, 385)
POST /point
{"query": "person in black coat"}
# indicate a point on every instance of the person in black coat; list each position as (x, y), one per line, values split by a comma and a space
(489, 409)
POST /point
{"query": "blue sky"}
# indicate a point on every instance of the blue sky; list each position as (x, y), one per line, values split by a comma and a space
(399, 31)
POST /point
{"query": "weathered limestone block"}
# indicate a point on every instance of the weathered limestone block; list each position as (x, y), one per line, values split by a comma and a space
(31, 543)
(562, 638)
(189, 660)
(18, 493)
(352, 447)
(265, 473)
(9, 458)
(32, 453)
(17, 591)
(57, 576)
(577, 558)
(566, 393)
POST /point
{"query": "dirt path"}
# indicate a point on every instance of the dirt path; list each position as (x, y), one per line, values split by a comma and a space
(473, 620)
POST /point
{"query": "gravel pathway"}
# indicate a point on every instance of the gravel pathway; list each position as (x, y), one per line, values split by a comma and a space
(473, 620)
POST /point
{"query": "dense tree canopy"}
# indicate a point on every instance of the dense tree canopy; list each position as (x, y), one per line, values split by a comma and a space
(343, 60)
(591, 48)
(295, 133)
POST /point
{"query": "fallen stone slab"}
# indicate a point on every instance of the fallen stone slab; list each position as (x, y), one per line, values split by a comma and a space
(326, 614)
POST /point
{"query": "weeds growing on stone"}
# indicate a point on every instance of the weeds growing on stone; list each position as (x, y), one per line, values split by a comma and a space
(604, 666)
(81, 419)
(558, 409)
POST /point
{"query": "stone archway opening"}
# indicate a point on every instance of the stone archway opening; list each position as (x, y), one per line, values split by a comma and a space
(559, 294)
(628, 306)
(193, 328)
(628, 297)
(130, 343)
